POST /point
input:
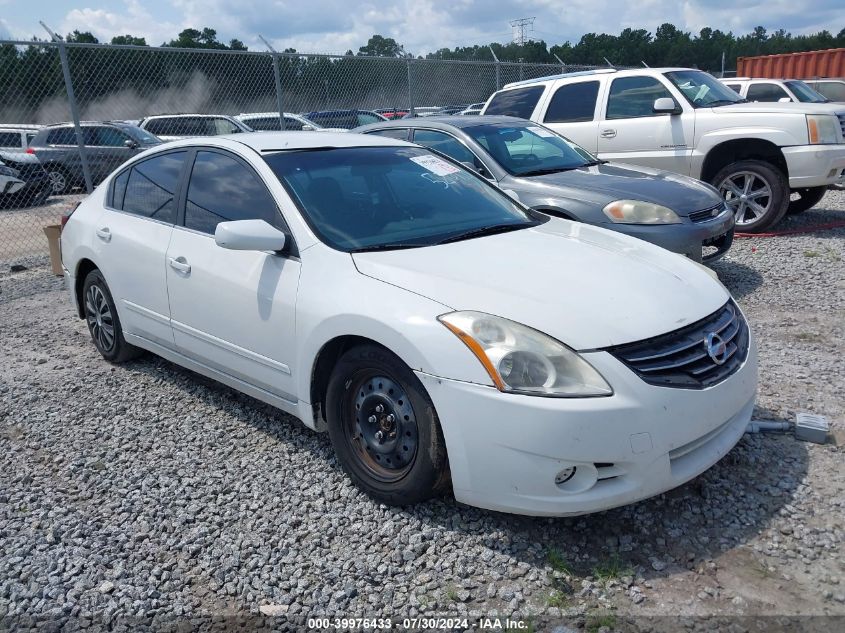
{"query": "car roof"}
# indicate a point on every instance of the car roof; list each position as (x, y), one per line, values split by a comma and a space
(183, 114)
(279, 141)
(351, 111)
(443, 122)
(623, 72)
(20, 126)
(255, 115)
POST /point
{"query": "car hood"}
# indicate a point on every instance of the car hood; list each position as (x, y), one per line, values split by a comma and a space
(607, 182)
(587, 287)
(794, 108)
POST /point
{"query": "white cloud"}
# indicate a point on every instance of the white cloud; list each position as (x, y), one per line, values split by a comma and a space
(135, 20)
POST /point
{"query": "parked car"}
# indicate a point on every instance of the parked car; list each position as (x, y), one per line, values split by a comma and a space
(439, 331)
(553, 175)
(37, 185)
(344, 119)
(774, 90)
(172, 127)
(108, 144)
(268, 121)
(10, 183)
(17, 137)
(391, 113)
(421, 111)
(474, 108)
(832, 89)
(683, 120)
(450, 110)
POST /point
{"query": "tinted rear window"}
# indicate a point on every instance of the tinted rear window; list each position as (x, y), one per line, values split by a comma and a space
(574, 102)
(519, 102)
(10, 139)
(61, 136)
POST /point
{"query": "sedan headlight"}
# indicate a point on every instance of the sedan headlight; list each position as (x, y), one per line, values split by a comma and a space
(639, 212)
(8, 171)
(522, 360)
(822, 129)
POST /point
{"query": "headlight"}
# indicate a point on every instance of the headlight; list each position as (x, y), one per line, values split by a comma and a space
(522, 360)
(639, 212)
(8, 171)
(822, 128)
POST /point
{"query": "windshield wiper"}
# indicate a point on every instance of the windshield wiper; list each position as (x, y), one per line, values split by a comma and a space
(721, 102)
(485, 230)
(388, 247)
(549, 170)
(592, 163)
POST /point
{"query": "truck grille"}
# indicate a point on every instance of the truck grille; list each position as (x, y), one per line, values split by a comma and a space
(706, 214)
(841, 116)
(682, 359)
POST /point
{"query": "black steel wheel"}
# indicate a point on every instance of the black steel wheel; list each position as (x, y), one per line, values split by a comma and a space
(384, 429)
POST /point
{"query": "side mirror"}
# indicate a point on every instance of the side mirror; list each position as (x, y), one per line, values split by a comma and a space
(665, 105)
(130, 143)
(249, 235)
(784, 100)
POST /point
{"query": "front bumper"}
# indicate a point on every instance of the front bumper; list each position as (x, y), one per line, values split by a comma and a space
(687, 238)
(506, 450)
(815, 165)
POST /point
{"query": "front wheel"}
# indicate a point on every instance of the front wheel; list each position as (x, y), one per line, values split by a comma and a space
(384, 429)
(807, 199)
(60, 181)
(756, 191)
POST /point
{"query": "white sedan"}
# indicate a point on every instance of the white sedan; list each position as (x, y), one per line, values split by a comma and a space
(441, 333)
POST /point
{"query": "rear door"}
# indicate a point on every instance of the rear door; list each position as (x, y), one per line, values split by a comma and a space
(232, 310)
(631, 132)
(111, 148)
(572, 111)
(132, 237)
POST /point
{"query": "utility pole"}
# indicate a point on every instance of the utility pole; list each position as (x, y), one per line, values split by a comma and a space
(520, 27)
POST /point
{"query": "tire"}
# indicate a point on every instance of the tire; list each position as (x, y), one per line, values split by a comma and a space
(103, 321)
(372, 391)
(60, 179)
(809, 197)
(767, 190)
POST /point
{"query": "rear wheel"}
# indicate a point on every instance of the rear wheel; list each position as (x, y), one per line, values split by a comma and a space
(756, 191)
(103, 322)
(384, 428)
(59, 179)
(807, 199)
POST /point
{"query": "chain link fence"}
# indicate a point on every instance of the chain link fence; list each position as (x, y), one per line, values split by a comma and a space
(44, 83)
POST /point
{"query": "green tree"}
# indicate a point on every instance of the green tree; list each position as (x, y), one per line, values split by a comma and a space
(128, 40)
(379, 46)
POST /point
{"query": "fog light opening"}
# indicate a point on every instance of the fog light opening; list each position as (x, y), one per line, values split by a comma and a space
(565, 475)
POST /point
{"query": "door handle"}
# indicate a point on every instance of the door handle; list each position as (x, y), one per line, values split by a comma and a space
(608, 133)
(180, 264)
(104, 234)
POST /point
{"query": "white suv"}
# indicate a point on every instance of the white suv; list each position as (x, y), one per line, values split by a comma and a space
(774, 90)
(683, 120)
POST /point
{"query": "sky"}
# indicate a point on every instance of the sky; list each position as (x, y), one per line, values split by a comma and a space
(422, 26)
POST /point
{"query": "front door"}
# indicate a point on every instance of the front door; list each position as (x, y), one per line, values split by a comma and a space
(631, 132)
(232, 310)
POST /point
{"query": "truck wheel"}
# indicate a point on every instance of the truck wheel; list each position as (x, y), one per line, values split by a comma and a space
(808, 198)
(756, 191)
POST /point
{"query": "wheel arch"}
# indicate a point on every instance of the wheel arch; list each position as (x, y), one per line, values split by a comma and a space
(734, 150)
(83, 268)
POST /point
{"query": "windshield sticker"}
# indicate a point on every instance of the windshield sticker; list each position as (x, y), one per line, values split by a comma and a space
(435, 165)
(540, 131)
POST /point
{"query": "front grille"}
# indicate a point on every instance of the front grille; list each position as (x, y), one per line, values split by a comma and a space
(841, 116)
(706, 214)
(681, 358)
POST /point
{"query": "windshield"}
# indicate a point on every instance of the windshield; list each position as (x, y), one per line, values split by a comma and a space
(702, 90)
(804, 93)
(391, 197)
(525, 150)
(141, 135)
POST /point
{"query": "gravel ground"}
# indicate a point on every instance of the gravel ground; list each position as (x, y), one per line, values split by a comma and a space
(144, 495)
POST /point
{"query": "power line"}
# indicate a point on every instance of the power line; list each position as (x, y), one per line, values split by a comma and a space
(520, 27)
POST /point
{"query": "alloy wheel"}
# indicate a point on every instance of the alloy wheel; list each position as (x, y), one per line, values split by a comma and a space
(381, 426)
(58, 182)
(99, 317)
(748, 195)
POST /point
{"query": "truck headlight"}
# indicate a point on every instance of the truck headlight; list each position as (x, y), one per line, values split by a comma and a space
(522, 360)
(822, 129)
(640, 212)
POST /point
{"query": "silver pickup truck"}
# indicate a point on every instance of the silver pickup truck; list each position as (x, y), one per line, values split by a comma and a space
(765, 158)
